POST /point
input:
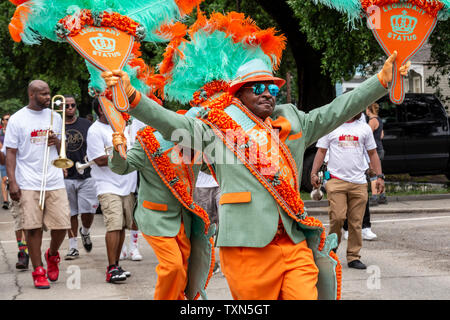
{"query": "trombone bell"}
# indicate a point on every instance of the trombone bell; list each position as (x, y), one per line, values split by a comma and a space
(63, 163)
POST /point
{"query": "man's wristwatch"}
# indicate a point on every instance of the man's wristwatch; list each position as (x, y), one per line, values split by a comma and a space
(381, 176)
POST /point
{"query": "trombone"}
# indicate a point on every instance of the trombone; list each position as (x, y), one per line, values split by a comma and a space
(62, 161)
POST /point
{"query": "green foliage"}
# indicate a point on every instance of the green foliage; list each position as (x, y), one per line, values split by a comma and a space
(343, 48)
(340, 48)
(10, 106)
(440, 54)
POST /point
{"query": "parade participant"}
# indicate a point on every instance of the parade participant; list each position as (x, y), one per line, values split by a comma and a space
(132, 251)
(115, 194)
(347, 188)
(207, 195)
(81, 189)
(167, 215)
(272, 253)
(376, 124)
(22, 256)
(4, 177)
(25, 143)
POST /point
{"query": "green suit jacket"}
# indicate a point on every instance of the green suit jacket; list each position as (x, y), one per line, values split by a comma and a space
(248, 213)
(159, 213)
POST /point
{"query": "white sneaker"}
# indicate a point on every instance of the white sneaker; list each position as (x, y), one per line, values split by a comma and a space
(135, 254)
(124, 253)
(367, 234)
(345, 236)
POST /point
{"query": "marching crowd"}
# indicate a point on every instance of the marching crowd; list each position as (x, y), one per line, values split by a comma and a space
(70, 192)
(281, 265)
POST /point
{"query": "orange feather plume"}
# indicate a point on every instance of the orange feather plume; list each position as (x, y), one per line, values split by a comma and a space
(176, 32)
(244, 30)
(186, 6)
(18, 2)
(16, 26)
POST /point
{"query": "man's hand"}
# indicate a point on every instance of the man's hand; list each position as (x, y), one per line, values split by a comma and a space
(112, 78)
(386, 73)
(14, 191)
(52, 139)
(379, 185)
(315, 181)
(118, 138)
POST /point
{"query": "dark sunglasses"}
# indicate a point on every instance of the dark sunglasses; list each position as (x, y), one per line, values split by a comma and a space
(259, 88)
(71, 105)
(6, 119)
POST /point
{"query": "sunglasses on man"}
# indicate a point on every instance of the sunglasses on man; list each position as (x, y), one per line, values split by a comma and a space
(71, 105)
(259, 88)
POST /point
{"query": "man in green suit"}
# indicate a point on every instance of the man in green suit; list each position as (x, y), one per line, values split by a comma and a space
(269, 247)
(169, 221)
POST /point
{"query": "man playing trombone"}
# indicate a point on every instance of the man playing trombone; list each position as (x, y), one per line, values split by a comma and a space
(29, 136)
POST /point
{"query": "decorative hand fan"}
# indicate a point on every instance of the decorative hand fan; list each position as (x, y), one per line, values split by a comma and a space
(401, 25)
(107, 33)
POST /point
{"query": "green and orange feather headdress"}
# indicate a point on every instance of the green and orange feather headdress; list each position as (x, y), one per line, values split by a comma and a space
(215, 49)
(146, 20)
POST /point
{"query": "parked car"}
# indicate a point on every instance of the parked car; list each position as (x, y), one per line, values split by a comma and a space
(416, 138)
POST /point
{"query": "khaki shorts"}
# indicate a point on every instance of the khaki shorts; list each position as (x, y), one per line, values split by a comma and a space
(16, 212)
(117, 210)
(56, 215)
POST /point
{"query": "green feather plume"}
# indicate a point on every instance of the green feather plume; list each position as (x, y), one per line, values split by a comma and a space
(354, 9)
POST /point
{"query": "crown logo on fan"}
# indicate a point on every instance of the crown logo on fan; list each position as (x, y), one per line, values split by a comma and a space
(403, 24)
(103, 44)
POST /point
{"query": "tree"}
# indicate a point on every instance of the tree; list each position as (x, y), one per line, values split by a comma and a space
(322, 49)
(440, 55)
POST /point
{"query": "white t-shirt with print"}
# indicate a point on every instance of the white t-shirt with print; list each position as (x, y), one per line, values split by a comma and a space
(346, 146)
(205, 180)
(133, 129)
(26, 132)
(100, 136)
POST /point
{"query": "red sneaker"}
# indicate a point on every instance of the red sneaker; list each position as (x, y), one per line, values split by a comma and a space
(52, 265)
(40, 279)
(113, 274)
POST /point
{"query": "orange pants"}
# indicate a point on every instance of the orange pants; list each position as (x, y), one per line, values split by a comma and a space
(281, 270)
(173, 254)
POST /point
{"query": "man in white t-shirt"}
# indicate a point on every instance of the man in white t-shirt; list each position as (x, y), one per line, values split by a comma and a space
(115, 193)
(347, 188)
(132, 252)
(25, 142)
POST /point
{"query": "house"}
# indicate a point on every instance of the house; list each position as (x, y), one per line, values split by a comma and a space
(421, 69)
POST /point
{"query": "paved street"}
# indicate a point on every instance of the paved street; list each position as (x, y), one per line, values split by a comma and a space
(410, 260)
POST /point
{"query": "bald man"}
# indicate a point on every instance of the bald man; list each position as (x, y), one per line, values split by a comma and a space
(26, 139)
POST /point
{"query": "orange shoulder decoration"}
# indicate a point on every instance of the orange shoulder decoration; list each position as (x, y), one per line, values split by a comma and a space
(217, 118)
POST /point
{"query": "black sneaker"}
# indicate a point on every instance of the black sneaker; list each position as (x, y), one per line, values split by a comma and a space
(126, 273)
(72, 254)
(23, 260)
(373, 201)
(382, 199)
(114, 275)
(356, 264)
(86, 239)
(5, 205)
